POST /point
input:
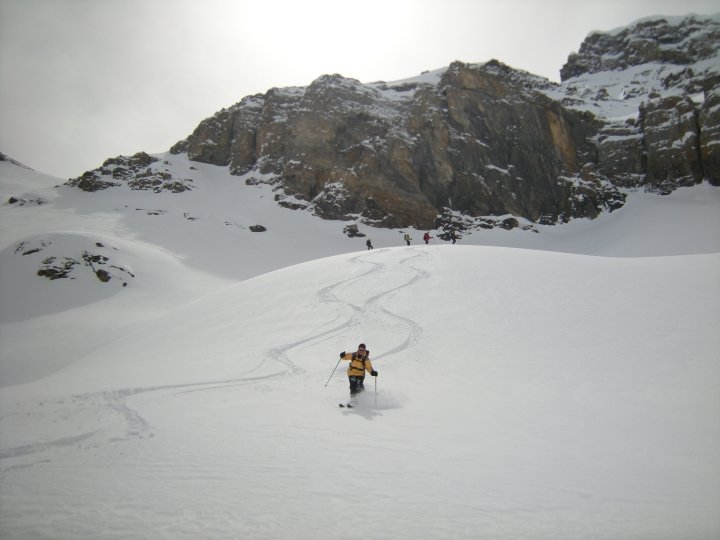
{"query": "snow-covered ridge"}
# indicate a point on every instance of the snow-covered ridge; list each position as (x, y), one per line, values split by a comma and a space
(3, 157)
(673, 41)
(671, 20)
(616, 71)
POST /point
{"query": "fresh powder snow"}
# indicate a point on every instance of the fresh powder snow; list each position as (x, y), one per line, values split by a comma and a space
(553, 385)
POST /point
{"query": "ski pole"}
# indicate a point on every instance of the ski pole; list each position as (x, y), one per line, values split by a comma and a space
(375, 390)
(333, 372)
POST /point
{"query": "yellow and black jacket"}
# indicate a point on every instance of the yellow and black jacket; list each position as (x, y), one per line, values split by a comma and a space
(358, 364)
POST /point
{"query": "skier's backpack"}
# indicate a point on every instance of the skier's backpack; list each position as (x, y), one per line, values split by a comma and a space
(356, 357)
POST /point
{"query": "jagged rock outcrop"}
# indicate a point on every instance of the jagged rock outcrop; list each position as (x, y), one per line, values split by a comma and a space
(672, 69)
(513, 151)
(139, 172)
(670, 131)
(655, 40)
(69, 256)
(480, 139)
(621, 153)
(709, 124)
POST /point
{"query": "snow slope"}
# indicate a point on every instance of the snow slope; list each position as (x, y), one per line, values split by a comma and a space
(180, 247)
(522, 394)
(16, 178)
(528, 388)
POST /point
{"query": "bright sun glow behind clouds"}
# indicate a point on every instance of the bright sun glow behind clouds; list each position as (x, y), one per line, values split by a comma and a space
(84, 80)
(300, 39)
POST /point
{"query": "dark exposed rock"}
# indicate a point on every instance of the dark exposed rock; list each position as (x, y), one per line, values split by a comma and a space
(69, 266)
(91, 181)
(449, 221)
(292, 205)
(676, 139)
(102, 275)
(351, 231)
(257, 228)
(654, 40)
(138, 172)
(481, 140)
(672, 143)
(709, 124)
(39, 201)
(54, 268)
(621, 155)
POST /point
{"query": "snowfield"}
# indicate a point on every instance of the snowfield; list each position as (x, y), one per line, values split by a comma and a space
(552, 385)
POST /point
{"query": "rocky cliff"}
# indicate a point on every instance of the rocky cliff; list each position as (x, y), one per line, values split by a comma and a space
(478, 143)
(668, 71)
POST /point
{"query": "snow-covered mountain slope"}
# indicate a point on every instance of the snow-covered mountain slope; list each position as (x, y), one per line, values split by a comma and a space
(163, 250)
(16, 178)
(545, 392)
(617, 71)
(521, 394)
(168, 359)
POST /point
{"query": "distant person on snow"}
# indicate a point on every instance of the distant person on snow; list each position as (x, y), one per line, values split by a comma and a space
(427, 237)
(454, 236)
(407, 238)
(359, 364)
(369, 244)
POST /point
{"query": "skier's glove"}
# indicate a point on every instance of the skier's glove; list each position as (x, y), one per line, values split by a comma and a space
(373, 373)
(342, 354)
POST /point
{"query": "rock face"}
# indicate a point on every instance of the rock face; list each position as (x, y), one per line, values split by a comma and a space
(709, 126)
(139, 172)
(480, 139)
(476, 145)
(680, 42)
(671, 134)
(674, 66)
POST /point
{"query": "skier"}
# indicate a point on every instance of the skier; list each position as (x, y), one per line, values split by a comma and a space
(369, 244)
(359, 364)
(407, 238)
(427, 237)
(454, 236)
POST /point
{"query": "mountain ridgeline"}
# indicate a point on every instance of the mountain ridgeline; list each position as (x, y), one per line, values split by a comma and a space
(477, 145)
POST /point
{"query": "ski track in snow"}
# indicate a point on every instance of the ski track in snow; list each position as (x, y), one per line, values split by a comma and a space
(353, 314)
(519, 483)
(369, 308)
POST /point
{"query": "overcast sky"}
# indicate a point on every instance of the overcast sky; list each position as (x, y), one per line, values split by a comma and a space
(84, 80)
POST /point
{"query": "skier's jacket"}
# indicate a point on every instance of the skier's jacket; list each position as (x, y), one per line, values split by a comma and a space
(358, 364)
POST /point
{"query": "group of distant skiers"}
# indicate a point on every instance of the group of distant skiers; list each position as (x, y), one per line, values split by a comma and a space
(426, 237)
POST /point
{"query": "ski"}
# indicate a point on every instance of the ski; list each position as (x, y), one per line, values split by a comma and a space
(348, 405)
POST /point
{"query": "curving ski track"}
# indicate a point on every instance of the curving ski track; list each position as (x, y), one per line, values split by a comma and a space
(351, 316)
